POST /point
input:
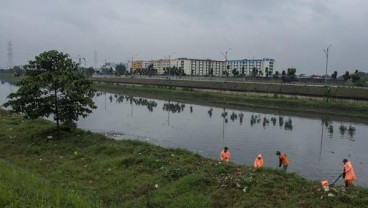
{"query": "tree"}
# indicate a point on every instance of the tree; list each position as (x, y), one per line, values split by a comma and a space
(150, 70)
(266, 71)
(120, 69)
(291, 72)
(277, 74)
(254, 71)
(107, 70)
(355, 76)
(53, 86)
(283, 73)
(210, 72)
(346, 76)
(334, 75)
(235, 72)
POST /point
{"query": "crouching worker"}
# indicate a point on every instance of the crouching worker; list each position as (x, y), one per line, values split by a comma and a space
(283, 160)
(225, 155)
(258, 162)
(348, 174)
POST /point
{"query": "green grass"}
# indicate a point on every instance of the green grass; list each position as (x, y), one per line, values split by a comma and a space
(222, 98)
(83, 169)
(20, 188)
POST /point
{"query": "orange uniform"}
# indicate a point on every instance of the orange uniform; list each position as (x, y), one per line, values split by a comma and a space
(258, 162)
(225, 156)
(283, 159)
(349, 174)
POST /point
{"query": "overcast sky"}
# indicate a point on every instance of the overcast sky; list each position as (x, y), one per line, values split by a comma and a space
(293, 32)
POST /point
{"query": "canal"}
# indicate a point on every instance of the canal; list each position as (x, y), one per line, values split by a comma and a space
(315, 145)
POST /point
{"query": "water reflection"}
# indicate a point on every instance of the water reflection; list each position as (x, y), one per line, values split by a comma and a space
(210, 112)
(173, 108)
(288, 124)
(241, 116)
(343, 130)
(273, 120)
(256, 119)
(315, 146)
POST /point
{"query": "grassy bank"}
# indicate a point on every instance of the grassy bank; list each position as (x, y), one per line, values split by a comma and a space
(22, 188)
(83, 169)
(222, 98)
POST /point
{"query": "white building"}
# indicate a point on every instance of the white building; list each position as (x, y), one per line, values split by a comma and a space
(203, 67)
(246, 66)
(200, 67)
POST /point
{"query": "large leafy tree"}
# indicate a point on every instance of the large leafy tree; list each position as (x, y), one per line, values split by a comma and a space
(53, 86)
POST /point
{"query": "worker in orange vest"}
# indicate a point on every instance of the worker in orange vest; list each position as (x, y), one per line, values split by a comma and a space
(225, 155)
(348, 174)
(283, 160)
(258, 162)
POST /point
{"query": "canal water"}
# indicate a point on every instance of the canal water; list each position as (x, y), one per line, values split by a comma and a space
(315, 146)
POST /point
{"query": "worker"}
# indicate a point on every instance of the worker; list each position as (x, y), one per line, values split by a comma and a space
(225, 155)
(283, 160)
(258, 162)
(348, 174)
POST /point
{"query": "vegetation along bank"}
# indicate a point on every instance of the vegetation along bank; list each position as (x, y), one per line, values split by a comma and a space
(40, 167)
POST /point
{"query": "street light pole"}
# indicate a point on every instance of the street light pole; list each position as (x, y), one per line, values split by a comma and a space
(225, 56)
(170, 62)
(326, 53)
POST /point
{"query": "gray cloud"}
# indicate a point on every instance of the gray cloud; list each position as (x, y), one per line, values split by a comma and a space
(294, 32)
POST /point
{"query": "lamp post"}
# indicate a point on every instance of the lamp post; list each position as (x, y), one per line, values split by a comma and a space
(225, 56)
(169, 57)
(326, 53)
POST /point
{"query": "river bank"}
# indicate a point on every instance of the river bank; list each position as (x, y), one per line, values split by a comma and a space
(261, 87)
(90, 170)
(291, 105)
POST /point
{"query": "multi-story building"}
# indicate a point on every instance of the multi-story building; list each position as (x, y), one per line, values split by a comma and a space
(162, 63)
(200, 66)
(247, 66)
(203, 67)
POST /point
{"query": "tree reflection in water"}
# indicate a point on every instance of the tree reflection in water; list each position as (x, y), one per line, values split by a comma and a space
(174, 108)
(273, 120)
(233, 116)
(281, 121)
(288, 124)
(254, 119)
(210, 112)
(241, 116)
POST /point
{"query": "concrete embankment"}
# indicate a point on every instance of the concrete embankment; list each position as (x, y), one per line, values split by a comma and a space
(355, 93)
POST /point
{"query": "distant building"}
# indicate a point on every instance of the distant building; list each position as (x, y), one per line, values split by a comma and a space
(138, 64)
(246, 66)
(200, 66)
(163, 63)
(204, 67)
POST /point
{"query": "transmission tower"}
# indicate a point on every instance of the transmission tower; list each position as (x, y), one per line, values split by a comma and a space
(95, 60)
(10, 55)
